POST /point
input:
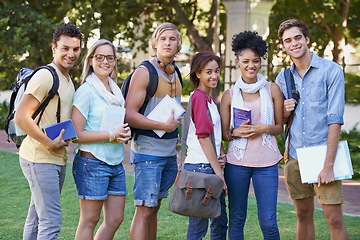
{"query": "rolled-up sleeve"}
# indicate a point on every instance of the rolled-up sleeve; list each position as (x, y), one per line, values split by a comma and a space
(336, 96)
(199, 115)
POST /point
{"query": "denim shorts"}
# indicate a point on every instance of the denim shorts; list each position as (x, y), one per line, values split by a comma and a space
(153, 178)
(95, 179)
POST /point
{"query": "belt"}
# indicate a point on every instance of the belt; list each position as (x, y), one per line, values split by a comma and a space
(87, 155)
(200, 165)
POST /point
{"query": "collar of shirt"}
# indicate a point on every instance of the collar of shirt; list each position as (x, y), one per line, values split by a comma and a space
(321, 103)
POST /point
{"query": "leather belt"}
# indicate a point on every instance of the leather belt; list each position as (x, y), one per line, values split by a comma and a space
(87, 155)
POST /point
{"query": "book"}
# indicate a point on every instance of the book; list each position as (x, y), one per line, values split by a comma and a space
(240, 115)
(311, 162)
(162, 112)
(53, 131)
(112, 117)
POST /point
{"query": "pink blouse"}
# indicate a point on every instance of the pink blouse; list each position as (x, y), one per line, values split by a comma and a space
(256, 154)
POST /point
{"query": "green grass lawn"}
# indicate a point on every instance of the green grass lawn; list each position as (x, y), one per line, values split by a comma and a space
(15, 197)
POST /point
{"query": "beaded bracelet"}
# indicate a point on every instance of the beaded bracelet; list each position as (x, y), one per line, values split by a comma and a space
(230, 134)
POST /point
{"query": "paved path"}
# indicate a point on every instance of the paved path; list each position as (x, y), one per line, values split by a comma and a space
(351, 188)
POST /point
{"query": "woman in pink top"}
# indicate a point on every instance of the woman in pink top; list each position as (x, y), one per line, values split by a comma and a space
(253, 152)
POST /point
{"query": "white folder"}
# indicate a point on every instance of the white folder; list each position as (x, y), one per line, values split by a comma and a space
(311, 162)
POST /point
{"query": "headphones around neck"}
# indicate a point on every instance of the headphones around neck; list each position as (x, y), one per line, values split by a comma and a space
(168, 68)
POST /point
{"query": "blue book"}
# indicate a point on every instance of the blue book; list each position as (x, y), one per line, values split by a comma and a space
(53, 131)
(240, 115)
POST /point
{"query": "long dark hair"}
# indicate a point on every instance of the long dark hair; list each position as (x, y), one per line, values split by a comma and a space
(198, 62)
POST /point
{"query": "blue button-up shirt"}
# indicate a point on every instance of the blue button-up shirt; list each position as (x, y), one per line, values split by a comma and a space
(321, 103)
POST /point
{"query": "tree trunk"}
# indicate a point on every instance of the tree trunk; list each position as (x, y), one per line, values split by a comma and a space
(198, 42)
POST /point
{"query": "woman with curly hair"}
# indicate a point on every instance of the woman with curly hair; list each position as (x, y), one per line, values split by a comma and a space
(253, 153)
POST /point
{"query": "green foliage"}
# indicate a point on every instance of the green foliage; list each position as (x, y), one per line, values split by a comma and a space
(4, 110)
(188, 87)
(323, 18)
(26, 34)
(352, 88)
(353, 139)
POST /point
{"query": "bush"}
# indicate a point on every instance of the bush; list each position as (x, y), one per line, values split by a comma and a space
(188, 87)
(4, 109)
(353, 139)
(352, 88)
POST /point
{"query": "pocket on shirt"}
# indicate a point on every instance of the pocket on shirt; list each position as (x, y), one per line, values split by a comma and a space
(317, 91)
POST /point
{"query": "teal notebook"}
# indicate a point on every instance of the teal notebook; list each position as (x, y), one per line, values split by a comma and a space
(53, 131)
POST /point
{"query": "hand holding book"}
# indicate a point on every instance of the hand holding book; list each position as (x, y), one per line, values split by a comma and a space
(122, 133)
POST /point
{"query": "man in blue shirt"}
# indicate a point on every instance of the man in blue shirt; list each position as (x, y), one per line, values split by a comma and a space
(317, 120)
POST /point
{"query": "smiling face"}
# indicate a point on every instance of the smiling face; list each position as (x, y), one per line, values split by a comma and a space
(209, 76)
(249, 63)
(167, 44)
(103, 68)
(66, 53)
(294, 43)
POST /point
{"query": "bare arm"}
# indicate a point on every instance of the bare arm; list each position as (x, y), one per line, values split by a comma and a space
(326, 175)
(210, 153)
(23, 119)
(122, 132)
(225, 114)
(222, 158)
(134, 101)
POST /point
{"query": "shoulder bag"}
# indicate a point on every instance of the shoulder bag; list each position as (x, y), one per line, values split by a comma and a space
(195, 194)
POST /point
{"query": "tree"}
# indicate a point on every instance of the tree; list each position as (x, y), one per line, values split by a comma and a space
(120, 17)
(26, 34)
(29, 26)
(328, 20)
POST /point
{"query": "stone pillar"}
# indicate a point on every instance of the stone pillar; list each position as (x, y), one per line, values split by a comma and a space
(237, 20)
(244, 15)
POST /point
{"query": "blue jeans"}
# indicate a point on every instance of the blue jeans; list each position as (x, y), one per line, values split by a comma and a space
(154, 176)
(44, 216)
(265, 183)
(198, 227)
(95, 179)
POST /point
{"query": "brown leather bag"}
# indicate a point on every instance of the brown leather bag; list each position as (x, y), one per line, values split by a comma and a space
(195, 194)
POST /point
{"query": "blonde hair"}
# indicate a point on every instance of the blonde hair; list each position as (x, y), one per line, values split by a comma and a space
(87, 69)
(162, 28)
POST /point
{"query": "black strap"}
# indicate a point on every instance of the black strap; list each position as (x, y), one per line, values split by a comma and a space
(290, 85)
(186, 131)
(53, 91)
(150, 91)
(292, 93)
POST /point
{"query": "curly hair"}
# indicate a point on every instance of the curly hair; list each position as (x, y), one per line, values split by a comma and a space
(249, 40)
(68, 30)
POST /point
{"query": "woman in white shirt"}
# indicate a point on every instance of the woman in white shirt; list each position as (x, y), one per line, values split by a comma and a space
(202, 156)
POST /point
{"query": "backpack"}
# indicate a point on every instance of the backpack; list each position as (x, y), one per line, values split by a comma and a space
(292, 93)
(25, 74)
(150, 90)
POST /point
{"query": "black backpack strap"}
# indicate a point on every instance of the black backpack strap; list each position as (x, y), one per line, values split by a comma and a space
(179, 74)
(290, 85)
(292, 93)
(53, 91)
(153, 84)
